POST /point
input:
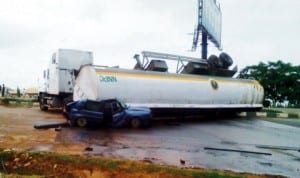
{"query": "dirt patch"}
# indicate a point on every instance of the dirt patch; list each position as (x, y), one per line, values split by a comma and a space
(16, 127)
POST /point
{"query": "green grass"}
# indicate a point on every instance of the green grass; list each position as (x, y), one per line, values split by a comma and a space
(108, 164)
(271, 114)
(18, 176)
(17, 101)
(287, 110)
(292, 113)
(270, 110)
(293, 116)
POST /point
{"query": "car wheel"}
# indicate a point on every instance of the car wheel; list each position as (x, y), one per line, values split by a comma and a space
(135, 123)
(81, 122)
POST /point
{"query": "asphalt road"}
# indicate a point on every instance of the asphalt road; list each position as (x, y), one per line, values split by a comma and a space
(239, 144)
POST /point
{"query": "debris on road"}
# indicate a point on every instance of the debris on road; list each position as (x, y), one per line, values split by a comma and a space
(278, 147)
(240, 151)
(58, 129)
(182, 162)
(89, 149)
(51, 125)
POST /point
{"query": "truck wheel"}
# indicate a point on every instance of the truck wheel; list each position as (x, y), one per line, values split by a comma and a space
(43, 108)
(135, 123)
(81, 122)
(215, 61)
(226, 59)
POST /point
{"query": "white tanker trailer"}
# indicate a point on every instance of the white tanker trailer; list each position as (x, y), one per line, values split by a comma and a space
(197, 87)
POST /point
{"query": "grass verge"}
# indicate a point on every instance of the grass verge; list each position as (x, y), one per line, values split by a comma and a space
(58, 165)
(270, 110)
(17, 101)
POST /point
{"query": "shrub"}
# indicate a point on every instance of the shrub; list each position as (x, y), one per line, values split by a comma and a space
(271, 114)
(293, 115)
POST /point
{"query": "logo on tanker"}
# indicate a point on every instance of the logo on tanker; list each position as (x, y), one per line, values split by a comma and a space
(108, 79)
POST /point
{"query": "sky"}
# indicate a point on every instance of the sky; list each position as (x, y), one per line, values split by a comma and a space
(253, 31)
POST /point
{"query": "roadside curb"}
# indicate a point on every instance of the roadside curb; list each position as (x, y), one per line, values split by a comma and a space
(270, 115)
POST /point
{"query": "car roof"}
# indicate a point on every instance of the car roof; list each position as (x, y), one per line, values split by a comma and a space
(104, 100)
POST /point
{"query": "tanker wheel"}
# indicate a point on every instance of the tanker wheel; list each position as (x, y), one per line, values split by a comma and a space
(81, 122)
(135, 123)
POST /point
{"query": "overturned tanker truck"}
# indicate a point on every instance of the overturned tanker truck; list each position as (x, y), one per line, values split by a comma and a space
(196, 87)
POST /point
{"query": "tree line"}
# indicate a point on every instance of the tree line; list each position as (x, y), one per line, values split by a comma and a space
(281, 81)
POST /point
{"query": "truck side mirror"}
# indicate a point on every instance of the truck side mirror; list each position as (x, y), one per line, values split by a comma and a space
(54, 58)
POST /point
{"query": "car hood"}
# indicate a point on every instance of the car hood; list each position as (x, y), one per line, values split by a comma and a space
(133, 109)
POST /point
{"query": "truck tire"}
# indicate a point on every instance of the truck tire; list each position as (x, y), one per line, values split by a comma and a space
(226, 59)
(41, 101)
(135, 123)
(215, 61)
(81, 122)
(43, 107)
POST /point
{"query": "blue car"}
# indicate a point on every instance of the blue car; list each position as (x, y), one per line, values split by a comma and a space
(111, 112)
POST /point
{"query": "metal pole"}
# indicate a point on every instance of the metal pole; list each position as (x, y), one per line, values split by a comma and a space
(3, 90)
(204, 45)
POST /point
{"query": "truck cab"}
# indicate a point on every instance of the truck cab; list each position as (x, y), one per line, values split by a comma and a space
(59, 77)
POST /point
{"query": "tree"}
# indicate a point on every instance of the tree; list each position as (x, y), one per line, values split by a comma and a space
(18, 92)
(281, 81)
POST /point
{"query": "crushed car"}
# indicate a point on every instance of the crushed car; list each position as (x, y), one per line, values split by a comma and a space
(111, 112)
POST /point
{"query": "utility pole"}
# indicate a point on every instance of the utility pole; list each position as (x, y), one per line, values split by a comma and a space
(204, 45)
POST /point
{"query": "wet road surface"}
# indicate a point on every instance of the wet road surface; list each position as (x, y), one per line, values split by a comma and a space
(242, 145)
(238, 144)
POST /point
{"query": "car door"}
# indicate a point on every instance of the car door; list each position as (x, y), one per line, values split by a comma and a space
(118, 114)
(93, 111)
(107, 113)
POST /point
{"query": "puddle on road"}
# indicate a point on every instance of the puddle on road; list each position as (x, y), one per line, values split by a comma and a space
(228, 142)
(119, 143)
(42, 148)
(216, 153)
(252, 155)
(177, 147)
(265, 164)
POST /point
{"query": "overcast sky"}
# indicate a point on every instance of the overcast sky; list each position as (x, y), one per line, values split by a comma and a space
(114, 30)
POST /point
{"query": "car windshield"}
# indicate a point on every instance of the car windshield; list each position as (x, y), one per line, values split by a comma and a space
(123, 104)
